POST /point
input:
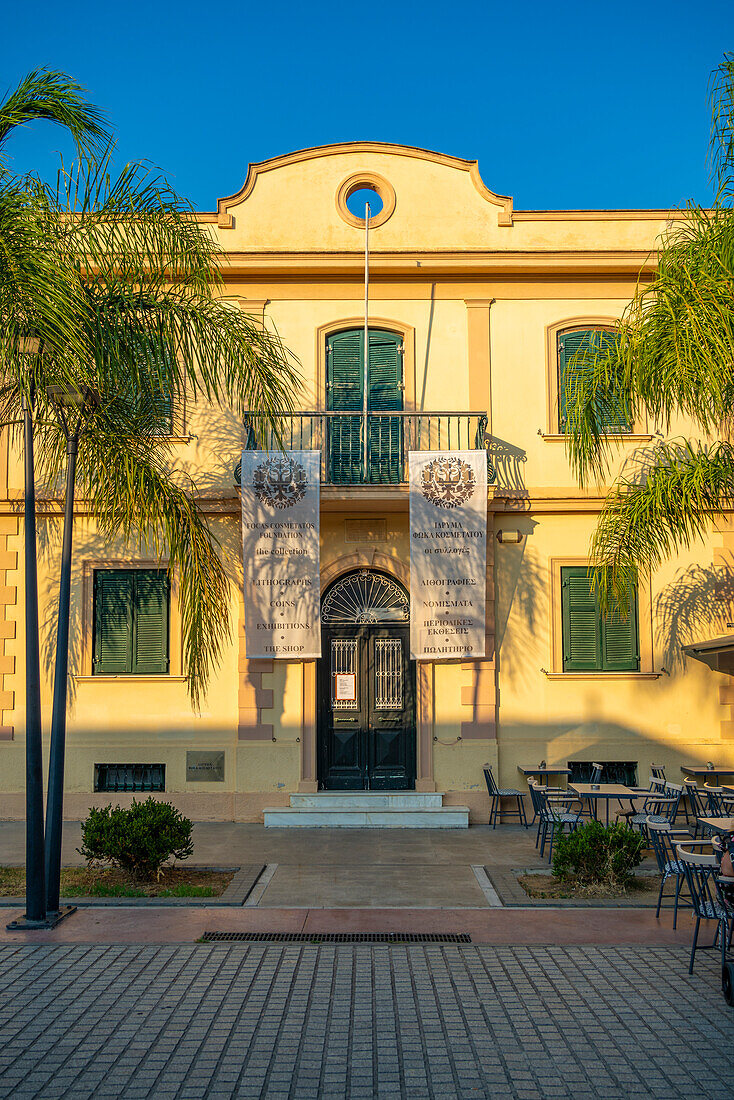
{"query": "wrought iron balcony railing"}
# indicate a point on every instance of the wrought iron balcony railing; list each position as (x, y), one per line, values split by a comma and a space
(390, 435)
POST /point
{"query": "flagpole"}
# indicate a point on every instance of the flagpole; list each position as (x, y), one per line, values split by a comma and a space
(365, 382)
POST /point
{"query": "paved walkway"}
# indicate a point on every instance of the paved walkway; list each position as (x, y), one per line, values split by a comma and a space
(278, 1022)
(344, 868)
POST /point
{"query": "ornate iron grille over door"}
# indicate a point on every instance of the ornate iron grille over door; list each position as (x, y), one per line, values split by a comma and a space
(367, 686)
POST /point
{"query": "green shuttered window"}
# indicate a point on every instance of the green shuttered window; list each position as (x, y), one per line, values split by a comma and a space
(345, 377)
(131, 622)
(594, 640)
(610, 409)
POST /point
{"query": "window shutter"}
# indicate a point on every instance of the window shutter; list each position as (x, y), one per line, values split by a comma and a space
(385, 392)
(581, 635)
(386, 371)
(344, 376)
(344, 393)
(610, 408)
(569, 343)
(620, 639)
(151, 622)
(113, 601)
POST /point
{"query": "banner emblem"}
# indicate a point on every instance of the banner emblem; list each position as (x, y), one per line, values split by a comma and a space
(280, 482)
(447, 482)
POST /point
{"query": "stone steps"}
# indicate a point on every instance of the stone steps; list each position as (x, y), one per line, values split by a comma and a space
(367, 810)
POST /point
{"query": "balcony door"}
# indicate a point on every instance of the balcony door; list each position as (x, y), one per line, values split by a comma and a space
(366, 687)
(345, 394)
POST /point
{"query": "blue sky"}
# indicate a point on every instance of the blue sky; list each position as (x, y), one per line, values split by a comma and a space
(565, 105)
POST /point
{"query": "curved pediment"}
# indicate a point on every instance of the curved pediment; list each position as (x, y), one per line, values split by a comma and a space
(296, 202)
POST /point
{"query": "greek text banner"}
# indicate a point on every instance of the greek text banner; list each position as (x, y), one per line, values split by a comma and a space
(448, 554)
(280, 532)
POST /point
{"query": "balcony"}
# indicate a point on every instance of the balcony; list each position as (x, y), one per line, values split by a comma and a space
(390, 436)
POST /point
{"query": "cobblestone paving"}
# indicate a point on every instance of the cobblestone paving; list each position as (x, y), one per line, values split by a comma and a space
(297, 1021)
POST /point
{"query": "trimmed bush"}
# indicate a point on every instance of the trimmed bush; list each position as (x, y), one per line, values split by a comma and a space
(138, 840)
(597, 855)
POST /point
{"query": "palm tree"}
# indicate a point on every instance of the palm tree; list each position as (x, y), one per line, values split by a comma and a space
(673, 356)
(145, 324)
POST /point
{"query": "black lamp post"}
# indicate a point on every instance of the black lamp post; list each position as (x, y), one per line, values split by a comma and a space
(72, 407)
(35, 890)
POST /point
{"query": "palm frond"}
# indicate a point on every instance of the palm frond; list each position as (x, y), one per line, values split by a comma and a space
(54, 97)
(665, 499)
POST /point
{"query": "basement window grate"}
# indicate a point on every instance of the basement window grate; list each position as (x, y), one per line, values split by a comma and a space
(129, 777)
(338, 937)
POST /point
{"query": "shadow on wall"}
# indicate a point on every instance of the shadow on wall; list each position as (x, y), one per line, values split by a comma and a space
(562, 741)
(508, 461)
(521, 605)
(89, 546)
(696, 605)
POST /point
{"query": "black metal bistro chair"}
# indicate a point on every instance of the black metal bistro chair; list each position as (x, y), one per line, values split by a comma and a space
(697, 801)
(664, 841)
(538, 792)
(555, 815)
(701, 871)
(660, 808)
(496, 794)
(720, 803)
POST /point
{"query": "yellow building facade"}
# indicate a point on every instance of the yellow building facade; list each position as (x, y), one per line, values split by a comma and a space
(476, 299)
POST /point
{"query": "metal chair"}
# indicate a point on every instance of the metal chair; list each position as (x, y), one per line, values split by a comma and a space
(663, 841)
(658, 770)
(596, 772)
(662, 809)
(538, 791)
(697, 801)
(701, 871)
(555, 814)
(720, 804)
(496, 794)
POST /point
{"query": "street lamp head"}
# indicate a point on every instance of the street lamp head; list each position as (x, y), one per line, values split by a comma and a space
(69, 396)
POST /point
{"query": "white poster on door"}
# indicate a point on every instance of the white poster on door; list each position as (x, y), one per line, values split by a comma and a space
(448, 554)
(280, 535)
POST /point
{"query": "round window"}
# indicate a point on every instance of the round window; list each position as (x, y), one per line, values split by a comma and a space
(360, 189)
(358, 201)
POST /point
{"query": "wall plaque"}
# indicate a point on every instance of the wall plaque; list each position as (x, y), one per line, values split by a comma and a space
(204, 766)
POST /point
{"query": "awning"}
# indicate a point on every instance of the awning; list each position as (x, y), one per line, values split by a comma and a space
(717, 653)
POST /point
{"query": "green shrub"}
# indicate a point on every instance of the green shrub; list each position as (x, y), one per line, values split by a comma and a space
(138, 840)
(595, 854)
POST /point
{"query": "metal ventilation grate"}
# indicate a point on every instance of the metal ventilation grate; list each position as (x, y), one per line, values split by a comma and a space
(339, 937)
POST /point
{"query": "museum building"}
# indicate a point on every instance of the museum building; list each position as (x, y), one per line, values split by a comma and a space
(475, 313)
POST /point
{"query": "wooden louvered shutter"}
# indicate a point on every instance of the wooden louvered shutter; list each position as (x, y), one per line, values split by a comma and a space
(385, 393)
(345, 367)
(620, 638)
(569, 373)
(150, 649)
(610, 408)
(581, 633)
(113, 621)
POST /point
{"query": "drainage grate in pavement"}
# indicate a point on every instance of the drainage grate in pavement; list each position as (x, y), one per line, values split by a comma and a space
(339, 937)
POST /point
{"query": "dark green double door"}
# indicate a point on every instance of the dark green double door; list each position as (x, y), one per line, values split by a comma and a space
(367, 711)
(345, 394)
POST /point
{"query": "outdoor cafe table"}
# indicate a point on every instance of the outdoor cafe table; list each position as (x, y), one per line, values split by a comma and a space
(699, 771)
(718, 824)
(605, 791)
(540, 772)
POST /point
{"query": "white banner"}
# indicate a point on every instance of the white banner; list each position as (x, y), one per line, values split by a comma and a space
(448, 554)
(280, 533)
